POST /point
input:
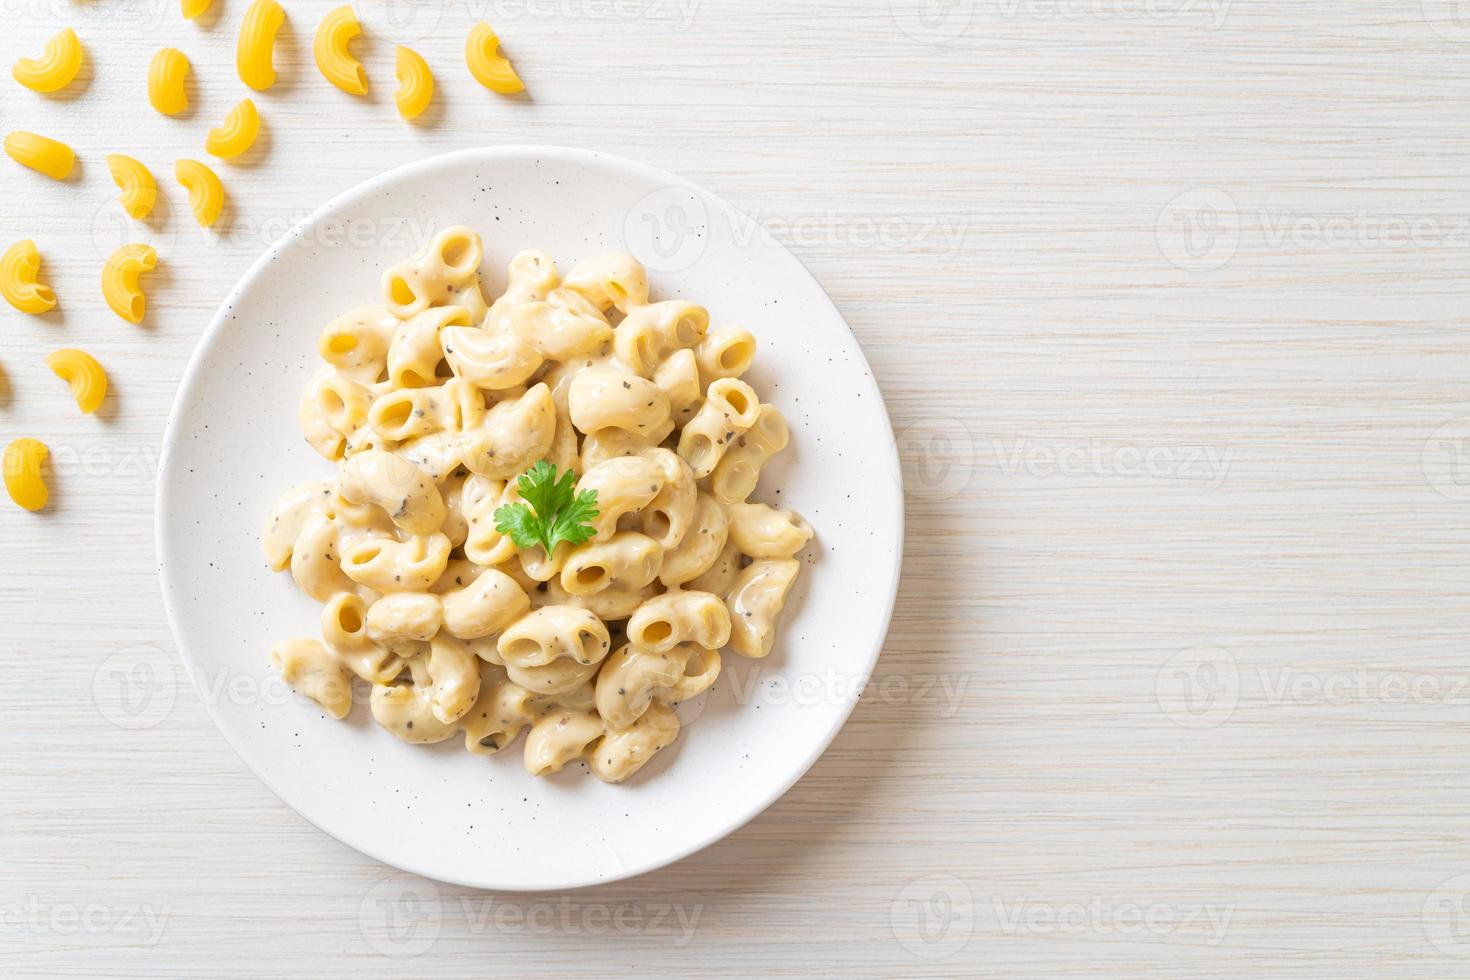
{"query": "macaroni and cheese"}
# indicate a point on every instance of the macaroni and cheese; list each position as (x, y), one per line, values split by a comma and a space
(474, 590)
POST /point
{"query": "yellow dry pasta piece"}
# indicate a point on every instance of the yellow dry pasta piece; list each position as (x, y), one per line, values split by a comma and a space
(206, 193)
(43, 155)
(58, 65)
(80, 370)
(415, 83)
(139, 190)
(23, 479)
(236, 134)
(166, 76)
(257, 43)
(120, 280)
(487, 64)
(332, 57)
(193, 8)
(19, 268)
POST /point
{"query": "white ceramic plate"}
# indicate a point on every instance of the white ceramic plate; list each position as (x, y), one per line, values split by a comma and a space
(233, 445)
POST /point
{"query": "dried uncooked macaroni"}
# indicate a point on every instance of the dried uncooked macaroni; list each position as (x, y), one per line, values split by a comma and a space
(120, 280)
(58, 65)
(166, 75)
(490, 68)
(255, 49)
(20, 268)
(432, 405)
(41, 154)
(206, 193)
(82, 372)
(236, 134)
(335, 62)
(23, 480)
(415, 84)
(139, 190)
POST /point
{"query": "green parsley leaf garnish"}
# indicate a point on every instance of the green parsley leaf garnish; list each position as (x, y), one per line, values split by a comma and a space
(553, 511)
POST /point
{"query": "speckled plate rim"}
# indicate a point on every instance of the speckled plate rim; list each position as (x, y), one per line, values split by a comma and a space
(192, 377)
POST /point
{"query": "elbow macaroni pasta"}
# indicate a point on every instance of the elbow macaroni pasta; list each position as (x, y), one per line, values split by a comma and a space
(308, 667)
(356, 343)
(730, 408)
(43, 155)
(206, 193)
(139, 190)
(650, 332)
(255, 48)
(54, 70)
(415, 84)
(736, 474)
(236, 134)
(384, 480)
(726, 353)
(754, 602)
(20, 268)
(490, 68)
(192, 9)
(761, 531)
(24, 482)
(335, 62)
(432, 405)
(85, 376)
(446, 273)
(615, 279)
(678, 376)
(120, 280)
(166, 75)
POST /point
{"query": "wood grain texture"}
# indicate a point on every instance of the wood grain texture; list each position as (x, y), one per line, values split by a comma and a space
(1168, 301)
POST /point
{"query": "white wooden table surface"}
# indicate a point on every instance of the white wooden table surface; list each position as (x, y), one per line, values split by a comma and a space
(1169, 301)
